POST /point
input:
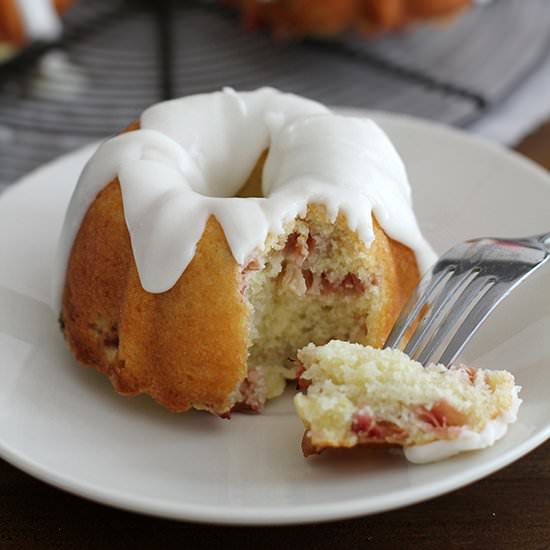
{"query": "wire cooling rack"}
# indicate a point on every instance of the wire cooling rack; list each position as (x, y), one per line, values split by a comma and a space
(119, 56)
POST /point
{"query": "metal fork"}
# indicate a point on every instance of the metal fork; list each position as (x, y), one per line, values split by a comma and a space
(456, 296)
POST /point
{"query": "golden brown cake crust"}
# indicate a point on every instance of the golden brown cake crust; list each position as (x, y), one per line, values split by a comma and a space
(186, 347)
(398, 276)
(309, 449)
(11, 26)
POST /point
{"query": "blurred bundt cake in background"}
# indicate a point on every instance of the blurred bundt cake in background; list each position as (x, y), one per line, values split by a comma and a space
(22, 21)
(328, 17)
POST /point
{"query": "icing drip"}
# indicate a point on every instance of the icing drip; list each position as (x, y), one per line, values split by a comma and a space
(467, 440)
(40, 19)
(192, 155)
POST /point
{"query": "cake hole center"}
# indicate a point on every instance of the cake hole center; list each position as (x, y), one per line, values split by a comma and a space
(252, 187)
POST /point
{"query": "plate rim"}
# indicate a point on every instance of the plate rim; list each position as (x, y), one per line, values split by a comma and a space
(293, 514)
(250, 516)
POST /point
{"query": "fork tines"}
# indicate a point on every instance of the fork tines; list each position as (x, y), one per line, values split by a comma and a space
(459, 293)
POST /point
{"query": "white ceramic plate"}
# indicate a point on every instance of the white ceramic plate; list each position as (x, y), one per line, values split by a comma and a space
(65, 425)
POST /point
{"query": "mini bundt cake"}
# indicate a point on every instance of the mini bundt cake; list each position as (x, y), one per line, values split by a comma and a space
(223, 232)
(22, 21)
(356, 395)
(328, 17)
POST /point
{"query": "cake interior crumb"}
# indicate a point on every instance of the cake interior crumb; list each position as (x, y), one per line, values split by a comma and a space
(313, 284)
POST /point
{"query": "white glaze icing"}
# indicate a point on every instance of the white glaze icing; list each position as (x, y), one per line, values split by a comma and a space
(40, 19)
(468, 440)
(192, 155)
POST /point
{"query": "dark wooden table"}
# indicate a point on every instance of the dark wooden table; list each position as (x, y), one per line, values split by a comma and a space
(508, 510)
